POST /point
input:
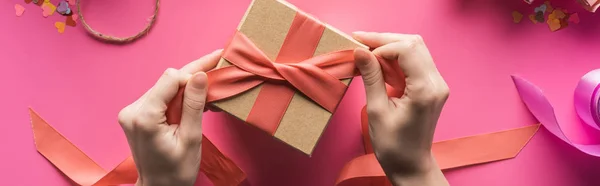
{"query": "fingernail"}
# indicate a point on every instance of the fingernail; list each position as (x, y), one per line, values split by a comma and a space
(200, 80)
(361, 57)
(218, 51)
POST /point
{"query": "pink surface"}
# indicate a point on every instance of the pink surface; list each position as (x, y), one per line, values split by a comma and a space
(79, 84)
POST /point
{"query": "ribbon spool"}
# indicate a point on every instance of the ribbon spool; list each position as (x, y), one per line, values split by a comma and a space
(586, 102)
(587, 98)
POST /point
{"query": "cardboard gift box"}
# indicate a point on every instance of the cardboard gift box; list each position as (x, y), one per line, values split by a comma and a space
(267, 24)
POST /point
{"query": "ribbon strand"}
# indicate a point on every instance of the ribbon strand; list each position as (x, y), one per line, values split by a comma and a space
(586, 105)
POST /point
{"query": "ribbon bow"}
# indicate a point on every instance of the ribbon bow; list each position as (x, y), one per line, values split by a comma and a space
(318, 77)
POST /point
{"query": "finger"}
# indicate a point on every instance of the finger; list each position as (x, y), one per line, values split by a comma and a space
(194, 100)
(372, 76)
(374, 39)
(166, 88)
(412, 56)
(204, 64)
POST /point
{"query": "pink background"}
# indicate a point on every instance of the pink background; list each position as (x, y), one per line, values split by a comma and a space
(79, 84)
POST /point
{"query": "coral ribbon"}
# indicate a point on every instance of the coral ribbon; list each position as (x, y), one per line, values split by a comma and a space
(82, 170)
(586, 101)
(449, 154)
(317, 77)
(273, 99)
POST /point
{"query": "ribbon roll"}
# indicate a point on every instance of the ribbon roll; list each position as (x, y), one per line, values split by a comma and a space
(586, 99)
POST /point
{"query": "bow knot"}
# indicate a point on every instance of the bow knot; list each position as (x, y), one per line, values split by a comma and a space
(318, 77)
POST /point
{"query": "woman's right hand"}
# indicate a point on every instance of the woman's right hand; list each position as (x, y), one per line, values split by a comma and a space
(402, 128)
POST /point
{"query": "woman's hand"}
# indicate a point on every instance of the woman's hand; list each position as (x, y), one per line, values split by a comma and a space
(401, 129)
(169, 153)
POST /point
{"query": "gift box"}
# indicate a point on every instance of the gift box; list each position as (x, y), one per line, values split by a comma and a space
(286, 35)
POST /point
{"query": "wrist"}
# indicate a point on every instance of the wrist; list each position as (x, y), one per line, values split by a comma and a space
(163, 181)
(400, 162)
(424, 172)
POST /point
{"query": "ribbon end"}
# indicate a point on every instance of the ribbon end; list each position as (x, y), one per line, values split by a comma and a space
(65, 156)
(524, 86)
(36, 123)
(482, 148)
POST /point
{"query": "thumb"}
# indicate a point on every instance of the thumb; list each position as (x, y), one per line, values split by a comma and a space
(372, 76)
(194, 100)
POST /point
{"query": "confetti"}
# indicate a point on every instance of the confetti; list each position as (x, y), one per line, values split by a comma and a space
(554, 24)
(574, 18)
(559, 13)
(19, 9)
(63, 8)
(75, 17)
(542, 8)
(556, 20)
(48, 9)
(71, 21)
(60, 26)
(539, 17)
(27, 1)
(532, 18)
(517, 17)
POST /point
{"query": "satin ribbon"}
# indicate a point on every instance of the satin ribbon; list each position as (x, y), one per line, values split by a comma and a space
(586, 97)
(81, 169)
(449, 154)
(295, 69)
(318, 77)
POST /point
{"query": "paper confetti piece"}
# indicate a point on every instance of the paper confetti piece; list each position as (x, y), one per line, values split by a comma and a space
(19, 9)
(542, 8)
(574, 18)
(517, 17)
(554, 24)
(48, 9)
(532, 18)
(70, 21)
(60, 26)
(28, 1)
(63, 8)
(74, 16)
(539, 17)
(559, 13)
